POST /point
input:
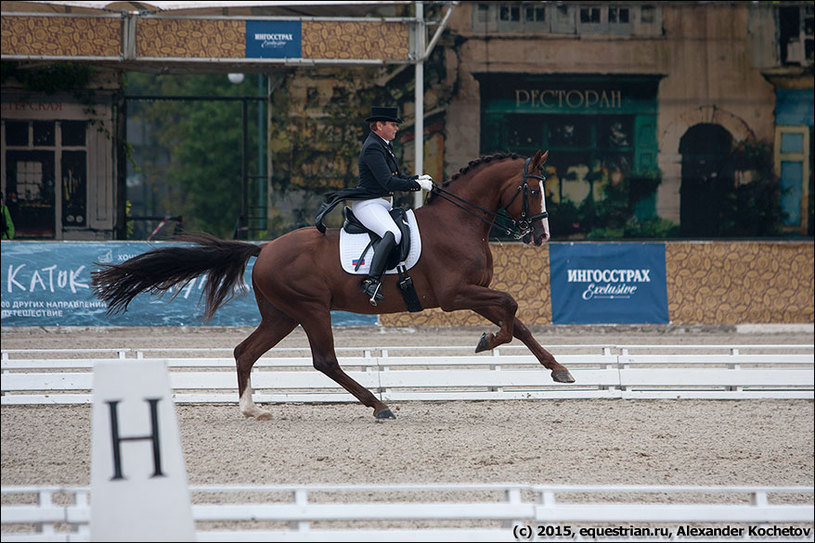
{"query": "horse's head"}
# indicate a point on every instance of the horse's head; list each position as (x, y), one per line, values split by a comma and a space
(526, 202)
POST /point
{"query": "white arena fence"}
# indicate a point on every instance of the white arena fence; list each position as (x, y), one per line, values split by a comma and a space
(435, 373)
(436, 512)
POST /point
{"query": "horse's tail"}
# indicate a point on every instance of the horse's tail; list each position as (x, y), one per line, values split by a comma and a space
(158, 270)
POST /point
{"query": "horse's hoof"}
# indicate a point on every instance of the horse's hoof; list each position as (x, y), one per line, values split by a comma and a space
(257, 414)
(562, 376)
(384, 415)
(483, 343)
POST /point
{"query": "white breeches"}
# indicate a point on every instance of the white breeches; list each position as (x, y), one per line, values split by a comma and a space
(375, 215)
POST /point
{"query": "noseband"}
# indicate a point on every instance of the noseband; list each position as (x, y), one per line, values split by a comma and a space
(517, 228)
(523, 225)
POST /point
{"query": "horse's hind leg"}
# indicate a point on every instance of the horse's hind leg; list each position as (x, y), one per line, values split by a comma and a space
(273, 327)
(321, 339)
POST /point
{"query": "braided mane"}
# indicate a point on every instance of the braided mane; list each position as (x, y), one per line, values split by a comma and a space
(472, 165)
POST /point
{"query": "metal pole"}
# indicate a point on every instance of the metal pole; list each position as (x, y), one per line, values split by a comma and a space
(261, 159)
(418, 140)
(244, 223)
(269, 158)
(120, 200)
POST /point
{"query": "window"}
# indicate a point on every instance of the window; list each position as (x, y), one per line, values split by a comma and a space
(566, 18)
(590, 15)
(29, 180)
(510, 17)
(511, 13)
(534, 14)
(17, 133)
(618, 15)
(587, 151)
(46, 176)
(647, 14)
(564, 13)
(74, 188)
(592, 20)
(795, 34)
(73, 133)
(482, 12)
(792, 148)
(44, 133)
(619, 21)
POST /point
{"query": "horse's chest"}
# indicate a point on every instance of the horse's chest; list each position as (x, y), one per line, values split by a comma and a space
(482, 271)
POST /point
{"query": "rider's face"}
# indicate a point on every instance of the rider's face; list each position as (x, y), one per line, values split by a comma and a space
(387, 129)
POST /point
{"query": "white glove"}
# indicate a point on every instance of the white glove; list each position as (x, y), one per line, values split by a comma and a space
(426, 182)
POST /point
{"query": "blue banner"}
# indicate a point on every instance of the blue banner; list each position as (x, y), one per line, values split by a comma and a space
(48, 284)
(608, 283)
(274, 39)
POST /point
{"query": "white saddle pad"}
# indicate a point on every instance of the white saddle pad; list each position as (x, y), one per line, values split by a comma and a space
(352, 245)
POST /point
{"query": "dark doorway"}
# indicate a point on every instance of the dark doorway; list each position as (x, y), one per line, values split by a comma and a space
(707, 176)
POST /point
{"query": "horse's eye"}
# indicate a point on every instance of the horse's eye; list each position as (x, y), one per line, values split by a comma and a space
(535, 192)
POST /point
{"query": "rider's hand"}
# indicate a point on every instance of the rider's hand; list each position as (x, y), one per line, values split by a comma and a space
(426, 182)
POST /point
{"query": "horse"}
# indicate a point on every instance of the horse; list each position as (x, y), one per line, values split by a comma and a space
(298, 279)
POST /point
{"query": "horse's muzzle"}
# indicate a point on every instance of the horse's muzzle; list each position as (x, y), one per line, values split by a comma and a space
(539, 234)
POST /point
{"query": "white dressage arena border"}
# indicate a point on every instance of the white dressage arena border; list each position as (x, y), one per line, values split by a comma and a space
(65, 376)
(477, 512)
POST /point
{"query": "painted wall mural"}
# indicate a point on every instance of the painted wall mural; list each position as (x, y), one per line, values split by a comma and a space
(706, 282)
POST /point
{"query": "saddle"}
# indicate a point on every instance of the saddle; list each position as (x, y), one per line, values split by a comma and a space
(401, 258)
(399, 253)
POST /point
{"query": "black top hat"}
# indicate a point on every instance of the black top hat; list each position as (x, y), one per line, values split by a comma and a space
(383, 114)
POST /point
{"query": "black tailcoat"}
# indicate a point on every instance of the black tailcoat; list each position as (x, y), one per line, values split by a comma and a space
(378, 171)
(379, 175)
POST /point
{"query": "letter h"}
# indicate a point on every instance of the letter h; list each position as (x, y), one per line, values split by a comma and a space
(117, 440)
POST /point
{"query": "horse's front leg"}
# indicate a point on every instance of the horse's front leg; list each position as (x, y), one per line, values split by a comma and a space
(559, 372)
(486, 301)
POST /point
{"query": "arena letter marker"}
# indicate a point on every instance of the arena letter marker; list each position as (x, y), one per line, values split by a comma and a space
(139, 488)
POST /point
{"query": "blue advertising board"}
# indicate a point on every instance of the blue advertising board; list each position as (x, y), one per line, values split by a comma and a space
(608, 283)
(48, 284)
(274, 39)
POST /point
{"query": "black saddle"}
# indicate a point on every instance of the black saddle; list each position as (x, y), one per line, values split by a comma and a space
(399, 216)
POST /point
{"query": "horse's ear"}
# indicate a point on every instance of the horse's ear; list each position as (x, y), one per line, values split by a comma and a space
(539, 159)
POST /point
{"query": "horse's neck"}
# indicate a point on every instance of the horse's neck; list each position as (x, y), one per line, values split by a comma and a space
(466, 204)
(482, 190)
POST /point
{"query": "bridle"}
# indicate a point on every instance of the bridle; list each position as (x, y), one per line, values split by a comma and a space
(517, 228)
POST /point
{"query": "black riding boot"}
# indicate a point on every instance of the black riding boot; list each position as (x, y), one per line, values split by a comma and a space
(371, 285)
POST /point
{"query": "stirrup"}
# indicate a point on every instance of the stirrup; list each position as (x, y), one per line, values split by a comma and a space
(371, 287)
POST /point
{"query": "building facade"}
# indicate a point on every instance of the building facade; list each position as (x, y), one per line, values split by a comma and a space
(615, 90)
(676, 98)
(60, 162)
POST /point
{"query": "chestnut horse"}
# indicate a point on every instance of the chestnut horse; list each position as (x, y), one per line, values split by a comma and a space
(298, 278)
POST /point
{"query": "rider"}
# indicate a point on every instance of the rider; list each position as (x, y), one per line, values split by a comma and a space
(379, 176)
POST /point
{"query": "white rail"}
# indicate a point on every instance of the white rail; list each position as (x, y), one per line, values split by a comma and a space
(476, 512)
(600, 371)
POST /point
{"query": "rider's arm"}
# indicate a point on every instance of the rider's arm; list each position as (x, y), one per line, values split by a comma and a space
(374, 159)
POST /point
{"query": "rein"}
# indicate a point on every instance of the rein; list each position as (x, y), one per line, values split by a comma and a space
(518, 228)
